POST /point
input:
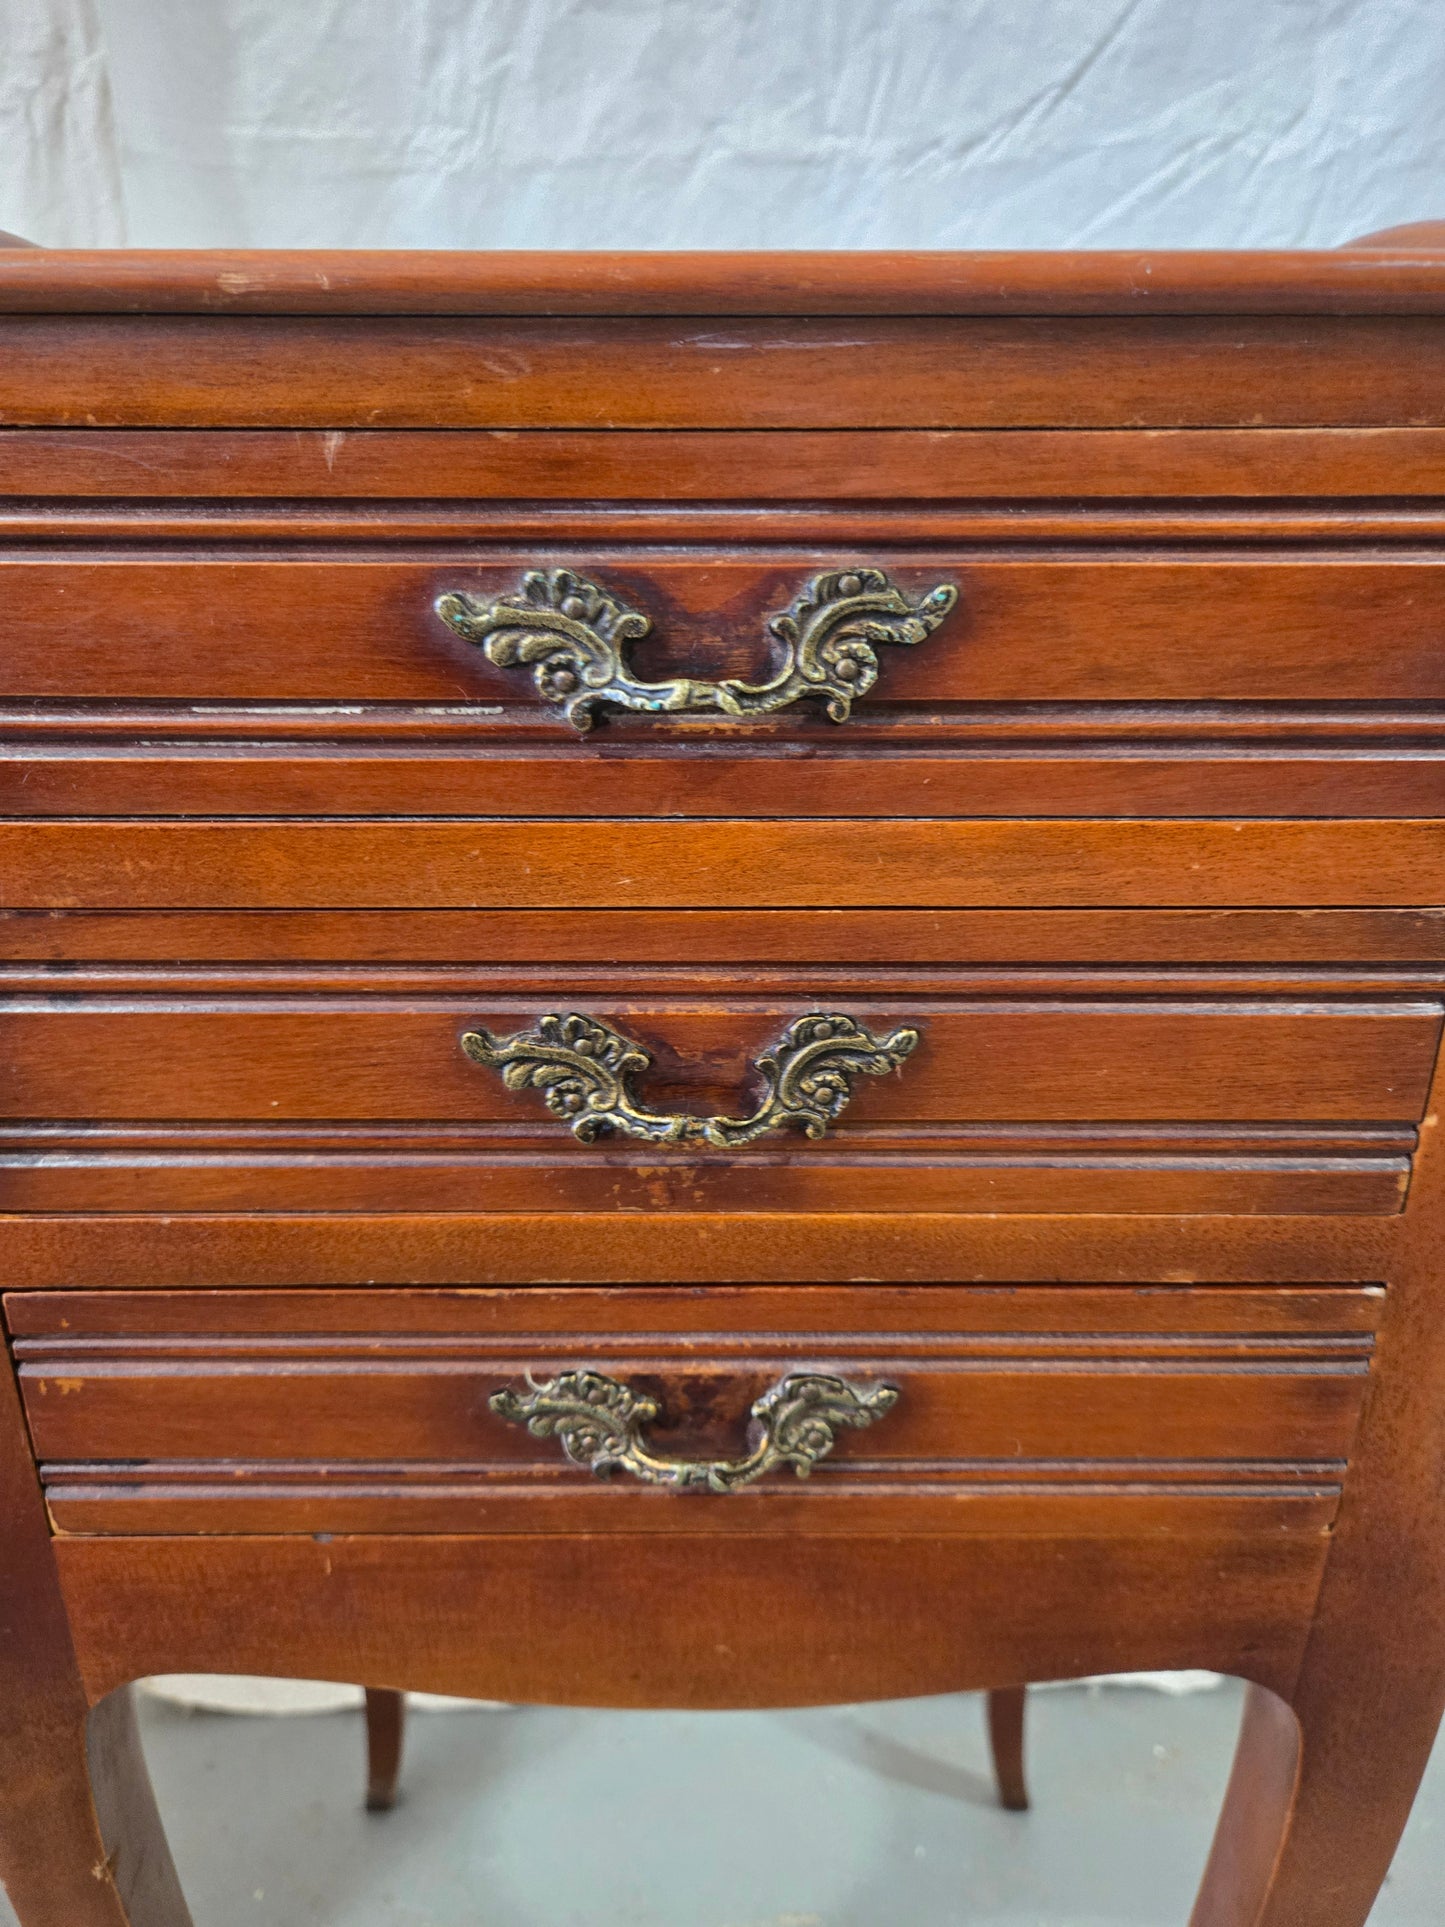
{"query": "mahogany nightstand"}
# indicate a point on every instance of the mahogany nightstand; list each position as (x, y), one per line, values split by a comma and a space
(812, 883)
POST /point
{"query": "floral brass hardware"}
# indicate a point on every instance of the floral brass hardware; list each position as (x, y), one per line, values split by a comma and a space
(600, 1422)
(574, 634)
(583, 1070)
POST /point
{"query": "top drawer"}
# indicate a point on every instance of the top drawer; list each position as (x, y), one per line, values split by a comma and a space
(907, 371)
(961, 624)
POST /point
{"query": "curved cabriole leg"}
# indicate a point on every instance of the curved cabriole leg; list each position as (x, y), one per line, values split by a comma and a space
(1311, 1815)
(1006, 1743)
(1322, 1787)
(81, 1843)
(385, 1726)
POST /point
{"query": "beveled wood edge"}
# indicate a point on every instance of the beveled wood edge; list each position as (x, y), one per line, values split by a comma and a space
(185, 1251)
(1274, 940)
(1300, 1504)
(1376, 276)
(903, 486)
(61, 524)
(58, 1324)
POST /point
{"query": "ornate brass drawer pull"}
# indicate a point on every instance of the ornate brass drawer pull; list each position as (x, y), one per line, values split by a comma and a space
(600, 1422)
(583, 1069)
(573, 633)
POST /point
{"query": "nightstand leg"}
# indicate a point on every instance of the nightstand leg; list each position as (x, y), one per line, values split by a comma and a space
(1310, 1818)
(81, 1843)
(1006, 1743)
(385, 1726)
(1322, 1788)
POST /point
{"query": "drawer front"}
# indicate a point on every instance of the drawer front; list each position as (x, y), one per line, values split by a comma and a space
(1225, 626)
(1037, 1409)
(1138, 684)
(143, 1091)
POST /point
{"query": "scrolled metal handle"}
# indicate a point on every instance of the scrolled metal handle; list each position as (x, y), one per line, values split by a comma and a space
(600, 1423)
(583, 1069)
(573, 633)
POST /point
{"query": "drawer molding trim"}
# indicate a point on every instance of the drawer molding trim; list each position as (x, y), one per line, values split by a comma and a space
(583, 1069)
(573, 634)
(600, 1423)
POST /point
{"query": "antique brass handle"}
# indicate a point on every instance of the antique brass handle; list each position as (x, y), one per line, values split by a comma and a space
(600, 1422)
(583, 1070)
(573, 633)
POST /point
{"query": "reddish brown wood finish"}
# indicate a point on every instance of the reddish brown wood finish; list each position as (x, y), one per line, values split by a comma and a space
(890, 372)
(1026, 1092)
(1148, 840)
(385, 1728)
(1425, 235)
(920, 863)
(275, 1249)
(56, 767)
(494, 472)
(1322, 1786)
(80, 1841)
(1212, 629)
(1032, 1409)
(322, 281)
(915, 1615)
(1390, 947)
(1006, 1745)
(1026, 1058)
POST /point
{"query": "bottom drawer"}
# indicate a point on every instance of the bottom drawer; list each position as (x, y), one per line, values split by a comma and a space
(1048, 1409)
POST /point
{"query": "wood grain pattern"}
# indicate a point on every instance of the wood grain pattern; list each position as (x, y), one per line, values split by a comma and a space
(1148, 841)
(843, 525)
(1166, 1311)
(433, 1414)
(1159, 627)
(916, 1616)
(92, 863)
(1139, 1087)
(81, 1844)
(1004, 1418)
(1322, 1787)
(1390, 942)
(1150, 1059)
(887, 372)
(64, 771)
(137, 1252)
(899, 1503)
(884, 467)
(1404, 276)
(903, 1178)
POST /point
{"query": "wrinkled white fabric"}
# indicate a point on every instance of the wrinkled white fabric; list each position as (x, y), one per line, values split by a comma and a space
(60, 175)
(719, 123)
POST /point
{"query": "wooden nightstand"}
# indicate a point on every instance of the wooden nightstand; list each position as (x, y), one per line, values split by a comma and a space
(712, 870)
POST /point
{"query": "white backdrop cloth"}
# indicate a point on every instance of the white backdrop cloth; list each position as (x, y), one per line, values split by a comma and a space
(719, 123)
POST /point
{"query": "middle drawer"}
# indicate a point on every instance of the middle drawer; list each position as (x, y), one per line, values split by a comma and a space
(901, 1090)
